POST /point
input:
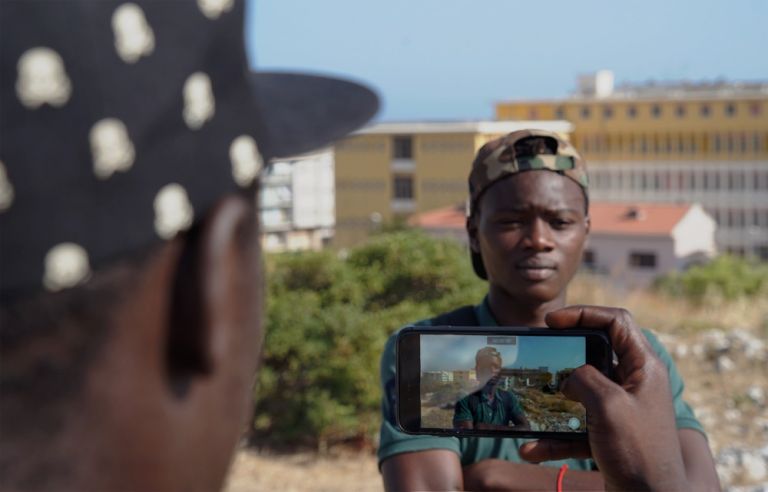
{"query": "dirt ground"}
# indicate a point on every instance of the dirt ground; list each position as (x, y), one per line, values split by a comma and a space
(726, 375)
(340, 472)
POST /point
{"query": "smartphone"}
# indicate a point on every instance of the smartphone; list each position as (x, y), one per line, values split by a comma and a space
(494, 382)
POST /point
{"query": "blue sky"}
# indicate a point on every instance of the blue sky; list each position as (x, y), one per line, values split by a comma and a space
(457, 352)
(452, 59)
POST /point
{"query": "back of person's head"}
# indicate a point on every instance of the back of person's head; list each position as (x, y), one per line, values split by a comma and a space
(132, 138)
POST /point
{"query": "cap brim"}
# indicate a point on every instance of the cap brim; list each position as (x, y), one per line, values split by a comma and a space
(306, 112)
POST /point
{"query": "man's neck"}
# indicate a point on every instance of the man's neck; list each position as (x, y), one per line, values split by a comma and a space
(509, 311)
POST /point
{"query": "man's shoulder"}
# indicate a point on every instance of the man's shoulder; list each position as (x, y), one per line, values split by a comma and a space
(453, 317)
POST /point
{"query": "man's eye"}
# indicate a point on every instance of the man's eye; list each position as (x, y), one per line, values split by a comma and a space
(560, 223)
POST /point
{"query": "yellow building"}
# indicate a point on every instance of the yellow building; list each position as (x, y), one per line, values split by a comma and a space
(705, 143)
(388, 171)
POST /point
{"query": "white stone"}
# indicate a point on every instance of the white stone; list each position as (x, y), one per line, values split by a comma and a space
(716, 341)
(756, 394)
(42, 79)
(755, 468)
(724, 364)
(681, 351)
(732, 415)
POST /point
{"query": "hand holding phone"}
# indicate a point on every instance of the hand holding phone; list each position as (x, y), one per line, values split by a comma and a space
(498, 382)
(632, 432)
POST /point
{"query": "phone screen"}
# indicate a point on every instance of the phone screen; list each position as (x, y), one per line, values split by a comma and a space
(487, 382)
(484, 384)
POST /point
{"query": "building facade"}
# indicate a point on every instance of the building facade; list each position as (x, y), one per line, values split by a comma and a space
(689, 143)
(389, 171)
(297, 203)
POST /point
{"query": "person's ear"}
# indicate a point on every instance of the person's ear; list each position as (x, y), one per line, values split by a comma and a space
(587, 223)
(208, 289)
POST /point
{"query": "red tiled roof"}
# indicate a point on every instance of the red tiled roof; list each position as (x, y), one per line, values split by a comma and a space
(642, 219)
(453, 217)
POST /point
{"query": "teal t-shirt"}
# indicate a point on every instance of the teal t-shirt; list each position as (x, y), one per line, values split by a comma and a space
(474, 449)
(501, 411)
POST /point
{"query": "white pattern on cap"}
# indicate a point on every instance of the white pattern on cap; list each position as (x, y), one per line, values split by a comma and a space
(214, 8)
(199, 104)
(42, 78)
(111, 148)
(173, 211)
(246, 160)
(6, 189)
(134, 37)
(66, 265)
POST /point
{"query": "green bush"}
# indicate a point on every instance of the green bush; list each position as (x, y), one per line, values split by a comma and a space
(726, 277)
(327, 322)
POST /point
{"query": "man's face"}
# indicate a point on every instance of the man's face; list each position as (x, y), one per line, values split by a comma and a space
(487, 367)
(530, 231)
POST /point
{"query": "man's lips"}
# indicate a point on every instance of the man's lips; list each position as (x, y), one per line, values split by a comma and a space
(536, 270)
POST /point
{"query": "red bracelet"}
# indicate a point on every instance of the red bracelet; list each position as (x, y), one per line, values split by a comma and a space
(560, 476)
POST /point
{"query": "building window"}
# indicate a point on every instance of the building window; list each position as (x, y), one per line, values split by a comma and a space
(402, 147)
(589, 258)
(642, 259)
(718, 145)
(730, 109)
(560, 113)
(607, 112)
(705, 110)
(755, 109)
(680, 111)
(656, 111)
(631, 112)
(585, 112)
(403, 187)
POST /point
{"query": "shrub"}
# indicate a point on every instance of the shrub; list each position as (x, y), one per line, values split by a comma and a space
(327, 322)
(726, 277)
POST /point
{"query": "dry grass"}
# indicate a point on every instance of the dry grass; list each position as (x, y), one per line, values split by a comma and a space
(668, 314)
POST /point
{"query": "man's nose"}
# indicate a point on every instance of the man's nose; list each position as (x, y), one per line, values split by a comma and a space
(539, 236)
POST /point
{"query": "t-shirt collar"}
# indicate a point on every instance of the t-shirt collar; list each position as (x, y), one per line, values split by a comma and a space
(484, 314)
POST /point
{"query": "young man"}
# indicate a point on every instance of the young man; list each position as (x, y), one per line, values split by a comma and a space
(527, 227)
(131, 142)
(489, 407)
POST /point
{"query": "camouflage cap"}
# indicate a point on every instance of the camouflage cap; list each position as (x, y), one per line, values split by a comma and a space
(518, 152)
(508, 155)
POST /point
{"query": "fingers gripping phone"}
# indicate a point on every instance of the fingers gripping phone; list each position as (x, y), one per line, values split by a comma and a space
(493, 382)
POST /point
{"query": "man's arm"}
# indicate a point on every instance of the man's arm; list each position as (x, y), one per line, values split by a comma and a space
(436, 469)
(505, 475)
(699, 465)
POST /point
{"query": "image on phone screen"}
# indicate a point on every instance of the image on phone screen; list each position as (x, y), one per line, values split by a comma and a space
(499, 382)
